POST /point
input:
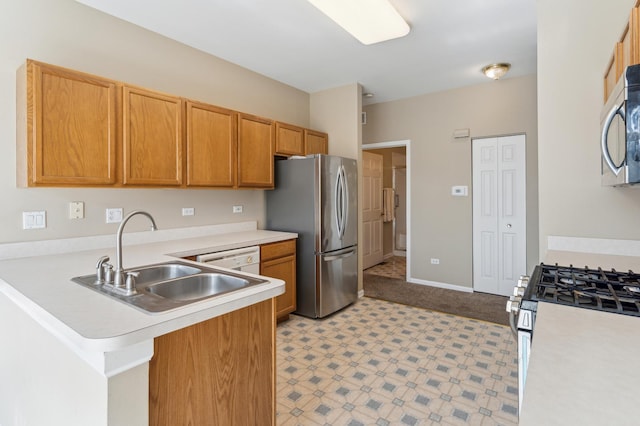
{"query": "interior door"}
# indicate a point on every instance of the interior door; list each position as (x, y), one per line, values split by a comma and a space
(371, 209)
(499, 213)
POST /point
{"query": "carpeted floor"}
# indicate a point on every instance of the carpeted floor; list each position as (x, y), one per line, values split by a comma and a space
(482, 306)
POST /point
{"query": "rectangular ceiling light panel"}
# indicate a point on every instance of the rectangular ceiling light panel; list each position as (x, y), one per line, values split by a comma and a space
(370, 21)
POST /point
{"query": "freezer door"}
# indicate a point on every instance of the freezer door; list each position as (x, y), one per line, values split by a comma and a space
(337, 284)
(338, 201)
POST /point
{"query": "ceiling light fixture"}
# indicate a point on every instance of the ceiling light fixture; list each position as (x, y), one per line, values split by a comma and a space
(370, 21)
(367, 95)
(495, 71)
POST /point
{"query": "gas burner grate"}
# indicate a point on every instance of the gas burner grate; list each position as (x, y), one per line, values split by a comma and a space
(599, 289)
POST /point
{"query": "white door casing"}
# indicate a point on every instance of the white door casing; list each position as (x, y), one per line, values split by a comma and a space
(499, 213)
(372, 253)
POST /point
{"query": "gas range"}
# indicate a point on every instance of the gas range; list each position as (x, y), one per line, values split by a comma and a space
(603, 290)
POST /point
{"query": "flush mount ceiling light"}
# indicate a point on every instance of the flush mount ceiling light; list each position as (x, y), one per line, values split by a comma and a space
(495, 71)
(370, 21)
(367, 95)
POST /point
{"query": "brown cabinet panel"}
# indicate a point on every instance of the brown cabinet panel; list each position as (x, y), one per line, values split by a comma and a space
(255, 151)
(211, 146)
(152, 138)
(217, 372)
(289, 139)
(316, 142)
(278, 260)
(71, 127)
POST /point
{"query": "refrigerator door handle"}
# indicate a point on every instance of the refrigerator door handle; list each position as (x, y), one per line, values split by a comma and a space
(345, 201)
(340, 256)
(338, 203)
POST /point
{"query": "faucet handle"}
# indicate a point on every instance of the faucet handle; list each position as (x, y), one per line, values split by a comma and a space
(100, 270)
(130, 282)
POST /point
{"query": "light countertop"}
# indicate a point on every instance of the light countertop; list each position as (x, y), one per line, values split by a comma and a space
(90, 322)
(582, 368)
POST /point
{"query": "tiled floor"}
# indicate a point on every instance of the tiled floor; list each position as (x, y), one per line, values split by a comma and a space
(381, 363)
(394, 267)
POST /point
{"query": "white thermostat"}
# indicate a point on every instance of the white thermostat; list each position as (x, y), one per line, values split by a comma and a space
(460, 191)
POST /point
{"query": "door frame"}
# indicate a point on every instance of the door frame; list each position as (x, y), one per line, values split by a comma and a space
(394, 144)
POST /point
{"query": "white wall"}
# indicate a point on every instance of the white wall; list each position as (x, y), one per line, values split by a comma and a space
(441, 225)
(575, 42)
(69, 34)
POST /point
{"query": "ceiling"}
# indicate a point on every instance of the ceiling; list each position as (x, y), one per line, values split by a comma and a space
(293, 42)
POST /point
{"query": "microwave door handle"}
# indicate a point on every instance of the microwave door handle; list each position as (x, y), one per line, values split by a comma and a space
(603, 138)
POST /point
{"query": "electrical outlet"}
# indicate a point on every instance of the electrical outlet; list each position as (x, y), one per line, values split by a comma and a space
(34, 220)
(435, 261)
(114, 215)
(188, 211)
(237, 209)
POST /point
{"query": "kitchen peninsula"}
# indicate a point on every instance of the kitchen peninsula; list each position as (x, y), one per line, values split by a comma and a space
(73, 356)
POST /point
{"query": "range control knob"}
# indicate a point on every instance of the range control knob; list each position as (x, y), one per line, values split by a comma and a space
(513, 304)
(523, 281)
(518, 291)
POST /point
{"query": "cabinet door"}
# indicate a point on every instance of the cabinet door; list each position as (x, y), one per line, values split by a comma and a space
(217, 372)
(316, 142)
(255, 152)
(152, 138)
(71, 127)
(289, 139)
(278, 260)
(211, 146)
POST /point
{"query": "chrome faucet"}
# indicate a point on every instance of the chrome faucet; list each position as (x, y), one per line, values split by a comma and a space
(119, 278)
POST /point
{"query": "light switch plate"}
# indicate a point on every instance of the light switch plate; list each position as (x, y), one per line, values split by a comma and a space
(188, 211)
(237, 209)
(114, 215)
(34, 220)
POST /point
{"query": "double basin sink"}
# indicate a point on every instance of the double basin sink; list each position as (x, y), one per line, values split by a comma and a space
(166, 286)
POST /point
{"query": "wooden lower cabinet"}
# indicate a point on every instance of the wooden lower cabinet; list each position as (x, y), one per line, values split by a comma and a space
(278, 260)
(217, 372)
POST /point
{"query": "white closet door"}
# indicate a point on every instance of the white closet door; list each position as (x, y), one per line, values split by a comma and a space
(499, 213)
(372, 253)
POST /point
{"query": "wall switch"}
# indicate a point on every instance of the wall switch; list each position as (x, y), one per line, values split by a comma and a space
(435, 261)
(188, 211)
(34, 220)
(76, 210)
(114, 215)
(237, 209)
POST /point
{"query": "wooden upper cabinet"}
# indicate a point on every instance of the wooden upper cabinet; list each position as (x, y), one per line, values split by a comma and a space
(315, 142)
(71, 127)
(255, 151)
(152, 138)
(289, 139)
(211, 146)
(625, 52)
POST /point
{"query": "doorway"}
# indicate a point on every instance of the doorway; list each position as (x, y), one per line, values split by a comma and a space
(499, 213)
(395, 201)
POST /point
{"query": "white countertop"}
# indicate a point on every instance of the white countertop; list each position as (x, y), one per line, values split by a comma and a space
(582, 368)
(92, 323)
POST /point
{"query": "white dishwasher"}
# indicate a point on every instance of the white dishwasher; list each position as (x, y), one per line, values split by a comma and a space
(246, 259)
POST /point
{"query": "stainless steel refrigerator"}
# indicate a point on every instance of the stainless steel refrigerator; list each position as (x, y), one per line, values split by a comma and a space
(317, 197)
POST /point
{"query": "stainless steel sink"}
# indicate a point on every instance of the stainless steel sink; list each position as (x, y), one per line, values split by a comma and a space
(166, 286)
(163, 272)
(198, 286)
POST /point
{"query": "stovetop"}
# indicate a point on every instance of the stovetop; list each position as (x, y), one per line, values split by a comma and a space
(604, 290)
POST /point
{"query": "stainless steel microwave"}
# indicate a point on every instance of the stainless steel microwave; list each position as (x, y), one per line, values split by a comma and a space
(620, 137)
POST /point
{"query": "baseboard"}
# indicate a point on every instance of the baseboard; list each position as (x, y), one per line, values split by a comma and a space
(387, 256)
(360, 293)
(440, 285)
(400, 253)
